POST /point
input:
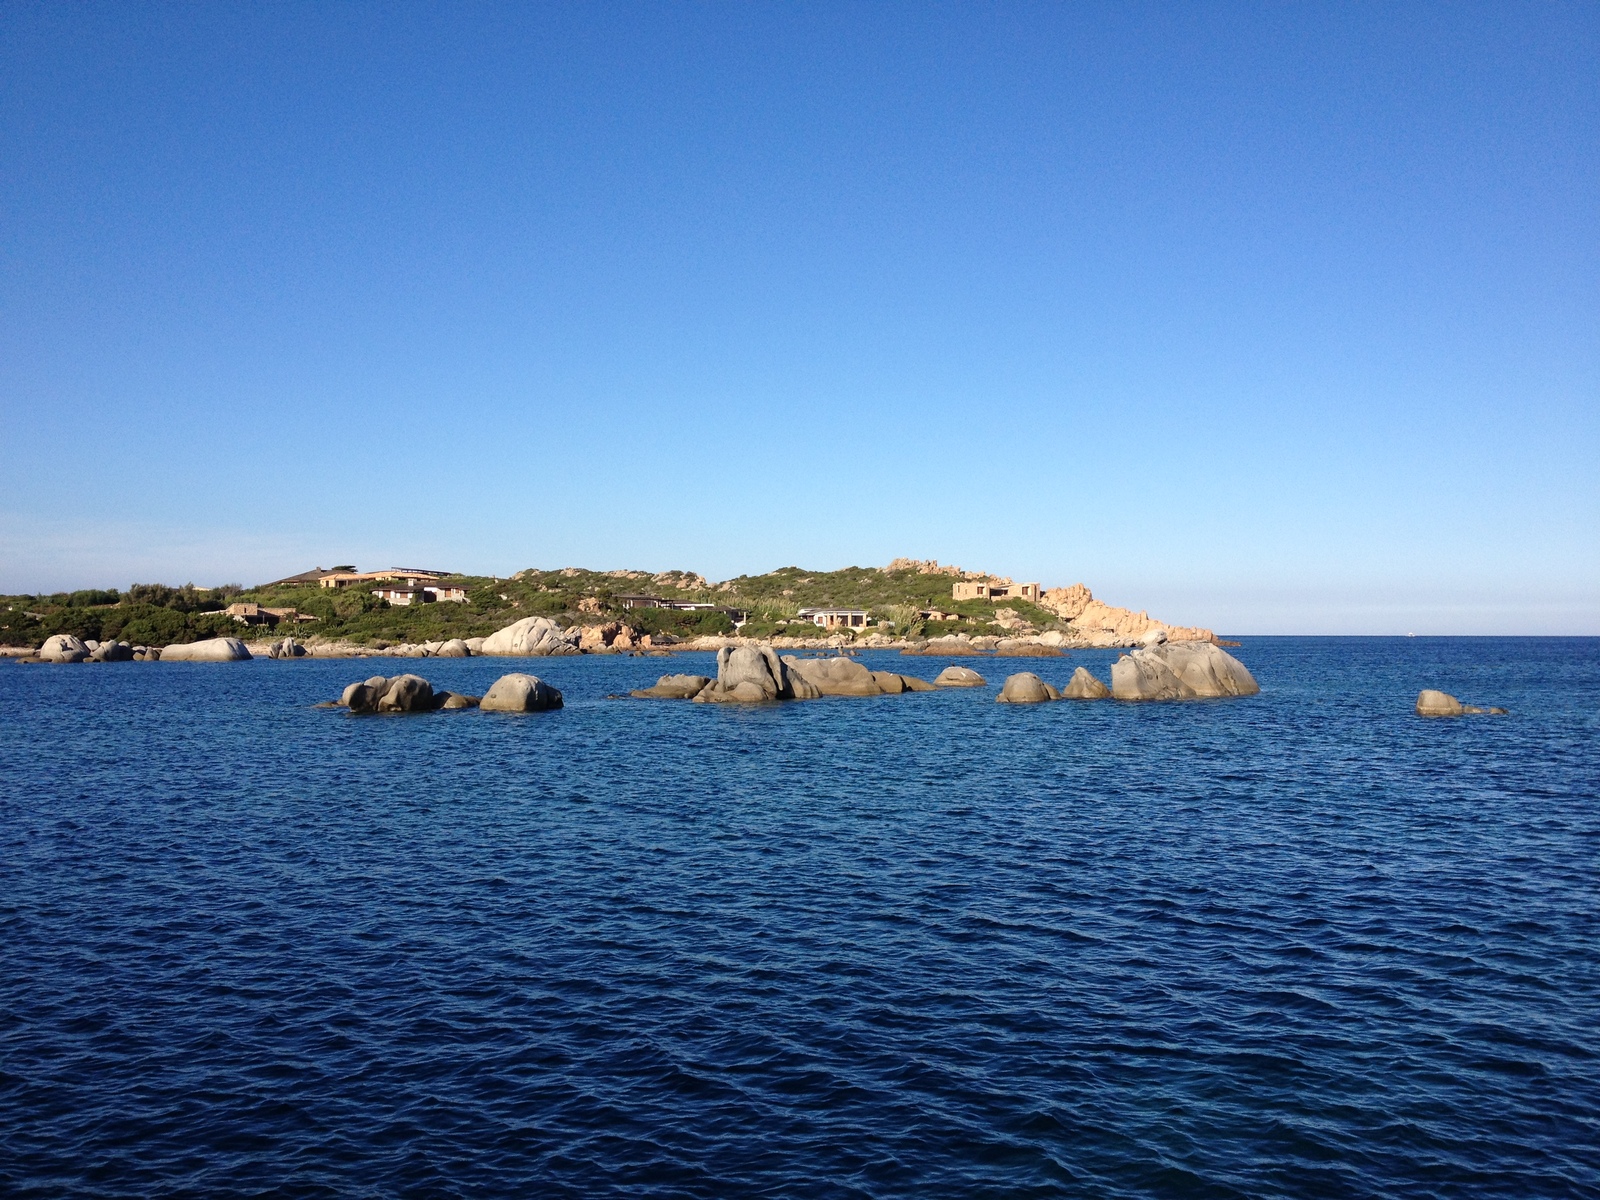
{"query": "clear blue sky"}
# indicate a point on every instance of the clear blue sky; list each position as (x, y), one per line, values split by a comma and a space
(1270, 318)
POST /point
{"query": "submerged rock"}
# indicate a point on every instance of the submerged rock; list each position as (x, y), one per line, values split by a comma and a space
(1026, 688)
(1084, 686)
(455, 700)
(222, 649)
(1180, 671)
(958, 677)
(520, 693)
(673, 687)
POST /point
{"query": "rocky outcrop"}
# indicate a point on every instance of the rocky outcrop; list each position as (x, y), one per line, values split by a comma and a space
(454, 648)
(533, 637)
(520, 693)
(1096, 623)
(958, 677)
(223, 649)
(1180, 671)
(287, 648)
(1442, 704)
(63, 648)
(112, 652)
(1026, 688)
(381, 694)
(673, 687)
(1084, 686)
(750, 675)
(835, 676)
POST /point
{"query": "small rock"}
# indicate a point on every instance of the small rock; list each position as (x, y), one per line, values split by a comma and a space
(1084, 686)
(958, 677)
(673, 687)
(520, 693)
(1026, 688)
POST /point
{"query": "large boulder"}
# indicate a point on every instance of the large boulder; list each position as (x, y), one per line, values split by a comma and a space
(532, 636)
(222, 649)
(407, 693)
(454, 648)
(1026, 688)
(750, 675)
(1084, 686)
(520, 693)
(673, 687)
(1437, 704)
(63, 648)
(363, 697)
(836, 676)
(1180, 671)
(958, 677)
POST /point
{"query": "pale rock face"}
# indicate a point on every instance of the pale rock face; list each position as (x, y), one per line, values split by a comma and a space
(757, 666)
(1431, 703)
(835, 676)
(212, 650)
(1153, 637)
(1102, 624)
(112, 652)
(476, 644)
(363, 697)
(454, 648)
(1052, 637)
(533, 636)
(520, 693)
(1026, 688)
(958, 677)
(673, 687)
(1084, 686)
(1180, 671)
(63, 648)
(407, 693)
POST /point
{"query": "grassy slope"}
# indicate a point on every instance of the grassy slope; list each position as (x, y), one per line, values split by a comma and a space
(771, 601)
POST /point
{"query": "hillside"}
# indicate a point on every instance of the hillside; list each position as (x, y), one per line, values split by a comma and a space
(896, 597)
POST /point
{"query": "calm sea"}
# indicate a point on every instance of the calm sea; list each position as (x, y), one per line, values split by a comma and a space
(1304, 944)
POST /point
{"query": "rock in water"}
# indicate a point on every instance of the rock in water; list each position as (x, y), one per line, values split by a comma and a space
(835, 676)
(1084, 686)
(222, 649)
(112, 652)
(63, 648)
(1180, 671)
(454, 700)
(407, 693)
(673, 687)
(1026, 688)
(454, 648)
(520, 693)
(364, 697)
(958, 677)
(1438, 704)
(748, 675)
(535, 636)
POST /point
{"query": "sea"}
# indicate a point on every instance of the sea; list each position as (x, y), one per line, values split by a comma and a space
(1300, 944)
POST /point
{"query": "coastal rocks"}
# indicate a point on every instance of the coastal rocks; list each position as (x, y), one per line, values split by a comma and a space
(673, 687)
(454, 700)
(1084, 686)
(223, 649)
(403, 693)
(1432, 703)
(1096, 623)
(454, 648)
(1180, 671)
(288, 648)
(63, 648)
(958, 677)
(750, 675)
(1026, 688)
(1025, 648)
(835, 676)
(112, 652)
(532, 636)
(520, 693)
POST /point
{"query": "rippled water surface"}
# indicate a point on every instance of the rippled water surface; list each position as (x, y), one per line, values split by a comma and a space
(1304, 944)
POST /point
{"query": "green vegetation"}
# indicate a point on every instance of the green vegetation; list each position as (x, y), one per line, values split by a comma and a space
(156, 614)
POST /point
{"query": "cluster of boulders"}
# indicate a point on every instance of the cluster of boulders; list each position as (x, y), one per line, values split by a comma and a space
(414, 694)
(752, 674)
(534, 637)
(1180, 671)
(64, 648)
(1027, 688)
(1431, 703)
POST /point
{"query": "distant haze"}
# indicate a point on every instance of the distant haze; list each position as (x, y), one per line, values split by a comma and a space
(1278, 320)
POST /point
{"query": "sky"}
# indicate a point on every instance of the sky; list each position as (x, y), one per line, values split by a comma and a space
(1268, 318)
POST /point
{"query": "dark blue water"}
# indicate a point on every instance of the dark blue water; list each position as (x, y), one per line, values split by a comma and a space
(1304, 944)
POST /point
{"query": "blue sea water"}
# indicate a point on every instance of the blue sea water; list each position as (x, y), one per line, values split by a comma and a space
(1303, 944)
